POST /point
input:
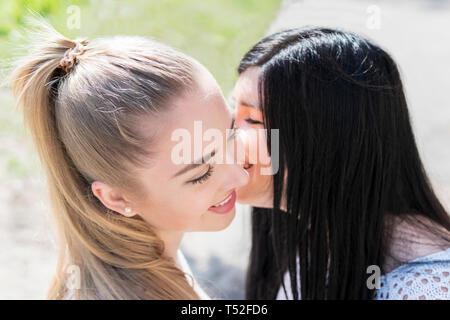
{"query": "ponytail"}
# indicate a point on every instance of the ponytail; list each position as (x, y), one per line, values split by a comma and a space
(119, 257)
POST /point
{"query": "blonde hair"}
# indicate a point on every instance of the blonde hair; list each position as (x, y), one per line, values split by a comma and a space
(84, 125)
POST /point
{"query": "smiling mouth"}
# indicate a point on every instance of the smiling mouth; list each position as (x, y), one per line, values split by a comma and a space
(225, 201)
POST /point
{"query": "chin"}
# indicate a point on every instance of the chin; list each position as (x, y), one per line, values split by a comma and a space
(220, 222)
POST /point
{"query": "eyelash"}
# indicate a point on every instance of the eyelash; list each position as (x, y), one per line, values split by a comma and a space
(252, 121)
(204, 177)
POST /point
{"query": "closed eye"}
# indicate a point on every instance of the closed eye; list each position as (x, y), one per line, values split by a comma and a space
(204, 177)
(253, 121)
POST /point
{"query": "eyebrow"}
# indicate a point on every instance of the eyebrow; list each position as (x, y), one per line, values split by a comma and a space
(205, 158)
(247, 104)
(244, 103)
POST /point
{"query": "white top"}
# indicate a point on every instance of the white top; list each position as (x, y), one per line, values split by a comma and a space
(184, 266)
(424, 278)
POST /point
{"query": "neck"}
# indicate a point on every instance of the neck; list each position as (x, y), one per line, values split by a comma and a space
(172, 241)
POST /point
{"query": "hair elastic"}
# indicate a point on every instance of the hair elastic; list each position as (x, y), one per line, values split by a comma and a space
(71, 55)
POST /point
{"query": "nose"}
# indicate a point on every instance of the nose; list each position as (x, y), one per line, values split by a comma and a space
(237, 176)
(235, 154)
(247, 144)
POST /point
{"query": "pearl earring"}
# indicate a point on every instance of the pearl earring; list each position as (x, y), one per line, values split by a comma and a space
(127, 210)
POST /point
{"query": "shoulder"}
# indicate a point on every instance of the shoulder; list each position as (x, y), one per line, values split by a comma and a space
(184, 266)
(426, 278)
(412, 237)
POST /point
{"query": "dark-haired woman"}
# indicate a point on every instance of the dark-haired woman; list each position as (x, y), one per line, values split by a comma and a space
(349, 199)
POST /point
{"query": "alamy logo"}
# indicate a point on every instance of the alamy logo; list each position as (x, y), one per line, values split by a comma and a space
(238, 147)
(74, 277)
(373, 282)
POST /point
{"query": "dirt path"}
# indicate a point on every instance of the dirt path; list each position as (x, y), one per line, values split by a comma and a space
(27, 254)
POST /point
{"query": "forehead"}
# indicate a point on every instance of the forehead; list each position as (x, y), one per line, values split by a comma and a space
(202, 105)
(247, 85)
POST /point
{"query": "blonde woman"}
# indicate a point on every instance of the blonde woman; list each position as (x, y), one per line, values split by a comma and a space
(101, 114)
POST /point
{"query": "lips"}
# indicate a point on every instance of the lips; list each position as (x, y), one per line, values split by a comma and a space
(225, 205)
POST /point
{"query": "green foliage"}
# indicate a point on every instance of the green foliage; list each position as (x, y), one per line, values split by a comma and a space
(12, 12)
(215, 32)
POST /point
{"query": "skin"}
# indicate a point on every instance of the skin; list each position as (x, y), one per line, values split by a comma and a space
(259, 191)
(174, 205)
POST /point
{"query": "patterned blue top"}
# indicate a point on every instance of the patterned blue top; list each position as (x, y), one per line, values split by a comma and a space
(424, 278)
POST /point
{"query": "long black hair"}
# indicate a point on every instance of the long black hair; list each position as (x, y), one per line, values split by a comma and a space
(347, 146)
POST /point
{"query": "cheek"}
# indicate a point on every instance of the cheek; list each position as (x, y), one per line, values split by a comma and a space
(180, 210)
(258, 191)
(253, 140)
(259, 183)
(241, 114)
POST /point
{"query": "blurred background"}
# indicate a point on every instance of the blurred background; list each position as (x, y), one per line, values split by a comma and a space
(217, 33)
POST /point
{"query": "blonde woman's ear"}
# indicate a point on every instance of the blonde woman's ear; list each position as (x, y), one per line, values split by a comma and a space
(129, 212)
(112, 199)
